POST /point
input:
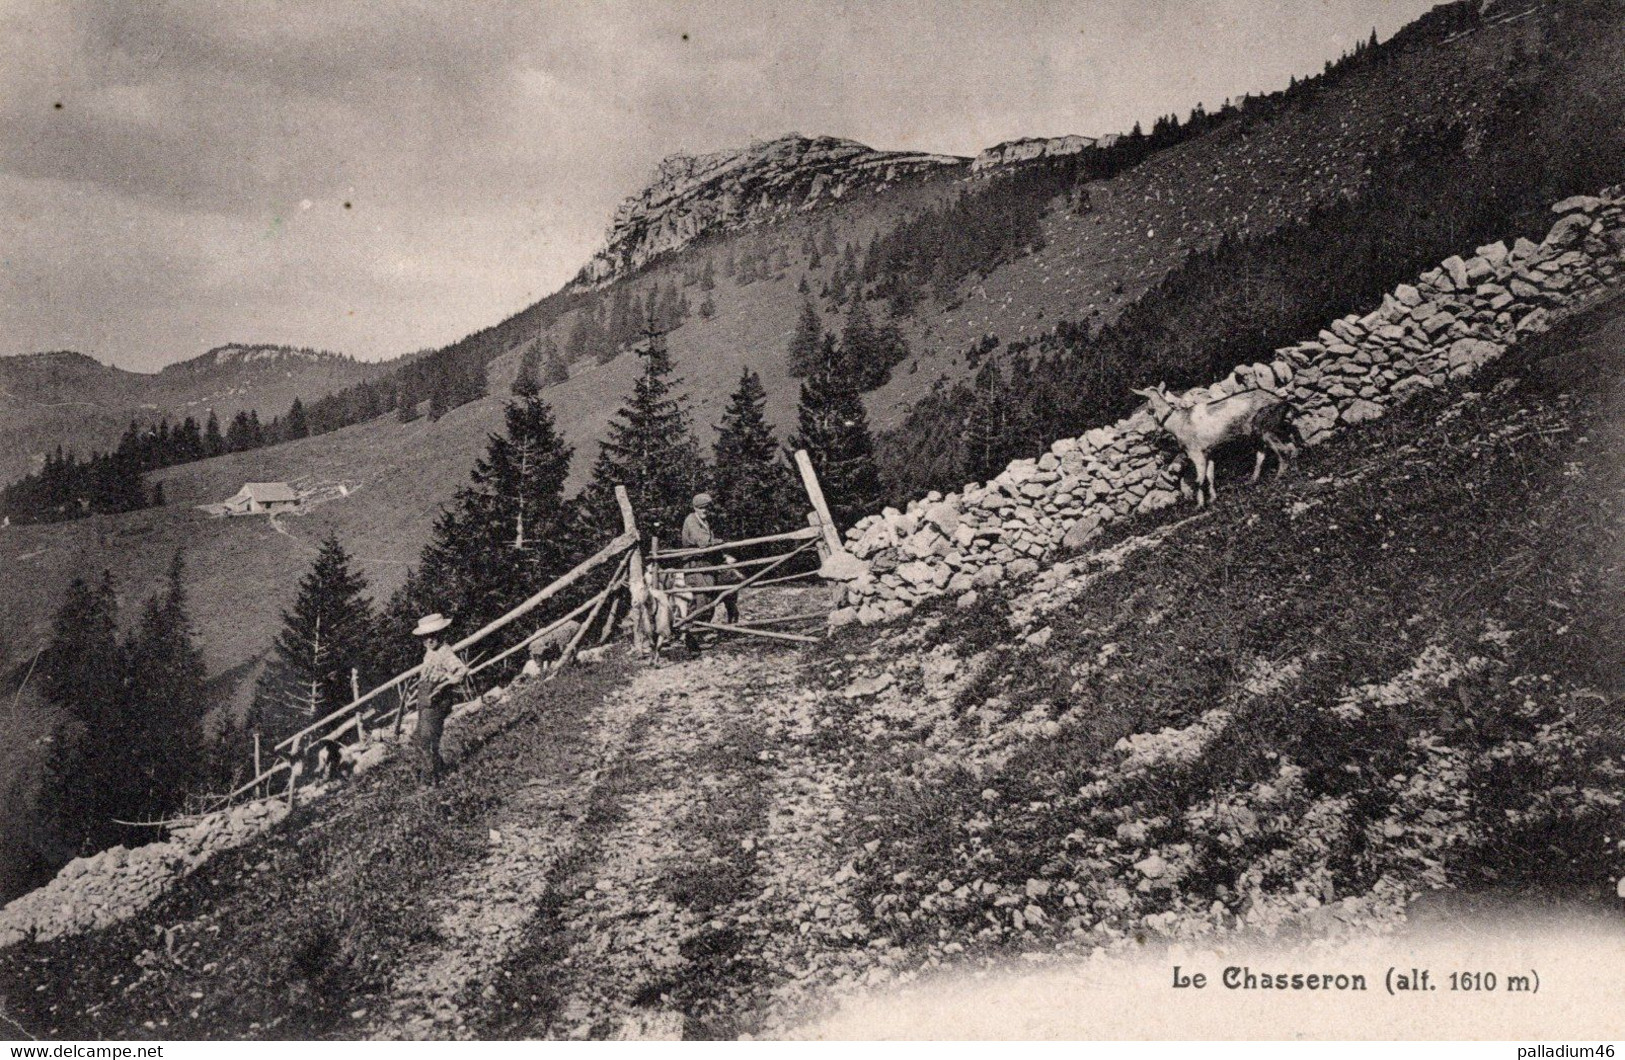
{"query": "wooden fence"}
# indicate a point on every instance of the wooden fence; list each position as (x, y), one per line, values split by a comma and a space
(367, 711)
(370, 710)
(677, 569)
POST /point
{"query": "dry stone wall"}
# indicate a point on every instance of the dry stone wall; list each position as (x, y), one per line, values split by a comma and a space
(1444, 325)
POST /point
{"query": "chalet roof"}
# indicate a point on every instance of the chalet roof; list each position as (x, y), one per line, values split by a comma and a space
(268, 492)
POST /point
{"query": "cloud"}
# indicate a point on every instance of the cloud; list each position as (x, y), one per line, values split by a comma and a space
(157, 155)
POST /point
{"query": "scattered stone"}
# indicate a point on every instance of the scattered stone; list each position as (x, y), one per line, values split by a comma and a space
(869, 686)
(1082, 532)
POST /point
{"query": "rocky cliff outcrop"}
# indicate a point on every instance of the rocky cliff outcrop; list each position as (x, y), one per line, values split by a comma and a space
(691, 195)
(256, 357)
(1445, 325)
(1030, 147)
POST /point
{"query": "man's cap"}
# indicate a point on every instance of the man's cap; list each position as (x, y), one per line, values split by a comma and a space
(431, 624)
(702, 500)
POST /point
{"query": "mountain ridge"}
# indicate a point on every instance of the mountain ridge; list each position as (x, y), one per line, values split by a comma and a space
(256, 356)
(73, 400)
(691, 196)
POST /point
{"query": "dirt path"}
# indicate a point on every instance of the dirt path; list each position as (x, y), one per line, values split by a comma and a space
(637, 898)
(624, 879)
(489, 903)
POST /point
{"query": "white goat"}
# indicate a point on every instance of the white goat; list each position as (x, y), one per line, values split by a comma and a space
(1256, 415)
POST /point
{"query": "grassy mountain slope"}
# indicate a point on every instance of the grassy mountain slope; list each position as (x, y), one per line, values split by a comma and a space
(76, 402)
(1391, 671)
(1245, 176)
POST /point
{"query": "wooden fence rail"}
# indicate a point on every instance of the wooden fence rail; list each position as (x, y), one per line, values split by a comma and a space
(628, 574)
(339, 721)
(610, 551)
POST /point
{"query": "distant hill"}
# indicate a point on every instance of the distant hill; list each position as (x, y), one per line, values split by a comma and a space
(1086, 250)
(72, 400)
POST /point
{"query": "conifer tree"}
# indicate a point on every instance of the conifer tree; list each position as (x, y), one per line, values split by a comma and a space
(805, 341)
(213, 442)
(995, 429)
(161, 727)
(834, 429)
(295, 426)
(870, 351)
(650, 449)
(185, 444)
(439, 401)
(237, 433)
(554, 370)
(406, 406)
(82, 673)
(526, 383)
(752, 486)
(327, 632)
(506, 534)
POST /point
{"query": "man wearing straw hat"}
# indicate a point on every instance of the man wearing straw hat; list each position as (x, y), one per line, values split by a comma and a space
(441, 672)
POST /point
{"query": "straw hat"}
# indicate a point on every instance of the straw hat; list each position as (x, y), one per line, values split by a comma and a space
(431, 624)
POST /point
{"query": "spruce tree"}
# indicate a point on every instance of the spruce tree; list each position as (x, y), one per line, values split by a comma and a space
(406, 407)
(526, 383)
(82, 673)
(439, 401)
(161, 728)
(295, 426)
(327, 633)
(834, 429)
(805, 341)
(870, 351)
(508, 532)
(650, 449)
(554, 370)
(753, 488)
(237, 435)
(990, 423)
(213, 442)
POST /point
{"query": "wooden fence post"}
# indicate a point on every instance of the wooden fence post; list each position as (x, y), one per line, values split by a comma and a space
(815, 493)
(638, 588)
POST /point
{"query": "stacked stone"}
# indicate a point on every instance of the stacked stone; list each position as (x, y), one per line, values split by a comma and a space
(1447, 324)
(104, 888)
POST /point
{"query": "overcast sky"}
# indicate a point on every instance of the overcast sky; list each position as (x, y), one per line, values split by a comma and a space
(378, 177)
